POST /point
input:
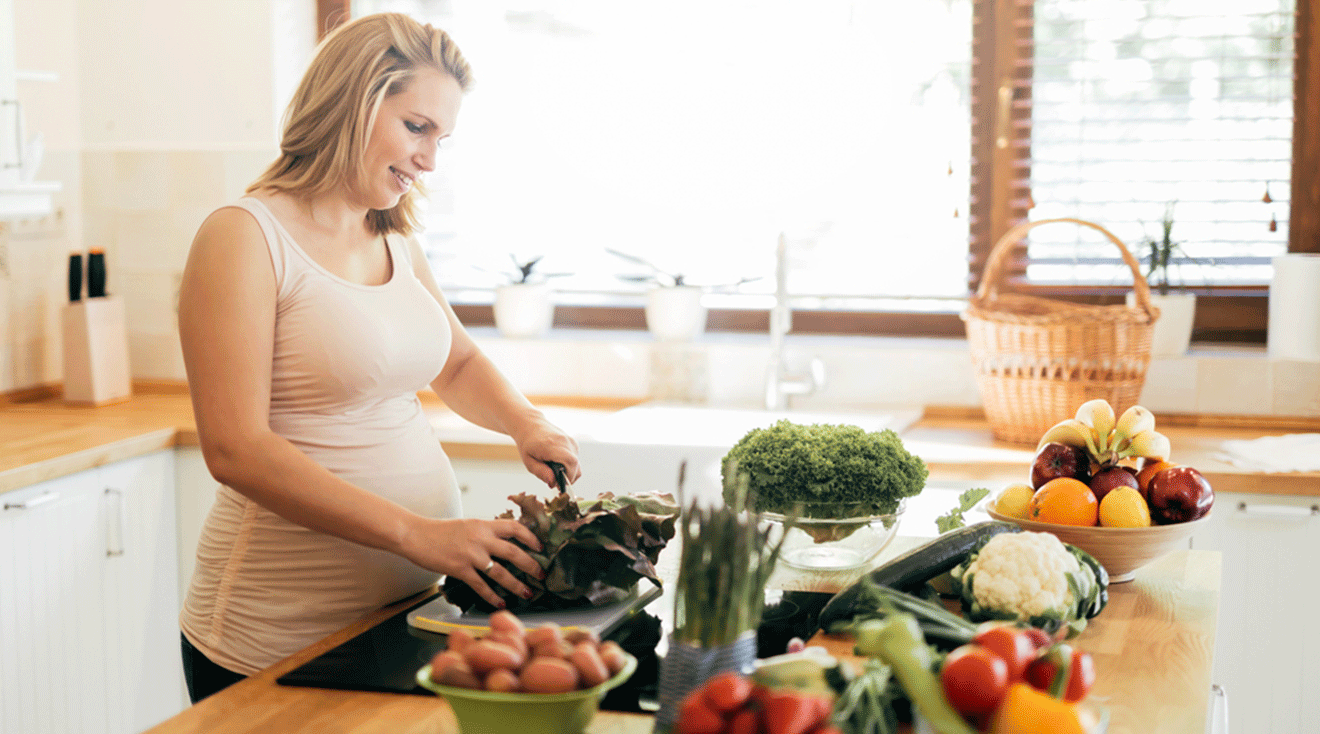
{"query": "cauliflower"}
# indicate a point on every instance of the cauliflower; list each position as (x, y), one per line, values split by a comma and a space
(1033, 578)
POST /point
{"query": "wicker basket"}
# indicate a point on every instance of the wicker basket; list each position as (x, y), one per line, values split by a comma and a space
(1038, 359)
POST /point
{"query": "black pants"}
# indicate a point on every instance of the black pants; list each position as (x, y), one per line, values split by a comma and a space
(203, 676)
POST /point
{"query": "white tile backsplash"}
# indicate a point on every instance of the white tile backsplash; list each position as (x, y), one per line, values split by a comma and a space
(870, 372)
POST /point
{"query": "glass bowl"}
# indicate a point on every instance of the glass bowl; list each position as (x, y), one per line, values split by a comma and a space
(490, 712)
(826, 538)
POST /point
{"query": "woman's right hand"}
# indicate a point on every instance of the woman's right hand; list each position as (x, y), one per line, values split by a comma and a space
(467, 549)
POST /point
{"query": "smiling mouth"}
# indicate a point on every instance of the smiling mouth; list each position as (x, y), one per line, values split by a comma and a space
(405, 181)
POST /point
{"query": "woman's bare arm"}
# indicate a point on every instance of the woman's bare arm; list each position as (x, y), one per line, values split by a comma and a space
(226, 326)
(474, 388)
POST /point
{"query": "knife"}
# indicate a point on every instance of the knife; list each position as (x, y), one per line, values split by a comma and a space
(561, 475)
(75, 277)
(96, 273)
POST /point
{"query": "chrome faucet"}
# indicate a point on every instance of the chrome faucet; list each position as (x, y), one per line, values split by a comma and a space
(780, 384)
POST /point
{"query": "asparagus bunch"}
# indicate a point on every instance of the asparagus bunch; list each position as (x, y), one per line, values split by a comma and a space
(726, 560)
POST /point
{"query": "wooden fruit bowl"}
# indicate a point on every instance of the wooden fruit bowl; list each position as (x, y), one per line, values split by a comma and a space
(1120, 550)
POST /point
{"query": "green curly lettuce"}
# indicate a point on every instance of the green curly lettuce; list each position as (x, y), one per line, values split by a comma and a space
(824, 470)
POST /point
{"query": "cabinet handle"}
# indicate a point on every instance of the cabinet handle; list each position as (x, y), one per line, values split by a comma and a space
(37, 501)
(1287, 511)
(116, 525)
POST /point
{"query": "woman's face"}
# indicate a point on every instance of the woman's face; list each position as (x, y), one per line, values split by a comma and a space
(409, 127)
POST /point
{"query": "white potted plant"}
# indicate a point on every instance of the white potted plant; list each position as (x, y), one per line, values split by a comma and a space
(674, 308)
(524, 307)
(1173, 330)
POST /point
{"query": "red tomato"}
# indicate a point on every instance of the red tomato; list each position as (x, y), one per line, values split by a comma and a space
(727, 692)
(696, 717)
(1040, 674)
(747, 721)
(790, 712)
(974, 678)
(1039, 637)
(1011, 644)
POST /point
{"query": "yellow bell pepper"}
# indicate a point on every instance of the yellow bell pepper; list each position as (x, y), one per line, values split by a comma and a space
(1026, 710)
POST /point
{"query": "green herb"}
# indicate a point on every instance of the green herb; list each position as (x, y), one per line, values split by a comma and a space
(726, 560)
(953, 519)
(866, 703)
(594, 551)
(826, 471)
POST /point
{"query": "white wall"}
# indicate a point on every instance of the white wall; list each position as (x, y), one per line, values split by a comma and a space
(163, 111)
(166, 109)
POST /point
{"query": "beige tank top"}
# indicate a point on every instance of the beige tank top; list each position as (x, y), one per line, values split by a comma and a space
(348, 362)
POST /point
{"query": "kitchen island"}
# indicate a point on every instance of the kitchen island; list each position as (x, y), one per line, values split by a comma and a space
(1153, 646)
(1262, 523)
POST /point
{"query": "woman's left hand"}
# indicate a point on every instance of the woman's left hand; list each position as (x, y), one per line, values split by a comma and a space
(541, 441)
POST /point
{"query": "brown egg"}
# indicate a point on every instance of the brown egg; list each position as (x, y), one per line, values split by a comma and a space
(484, 656)
(549, 675)
(503, 681)
(613, 656)
(591, 669)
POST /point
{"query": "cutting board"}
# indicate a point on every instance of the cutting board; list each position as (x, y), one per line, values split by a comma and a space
(441, 617)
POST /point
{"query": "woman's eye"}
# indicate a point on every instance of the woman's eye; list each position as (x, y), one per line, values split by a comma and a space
(412, 127)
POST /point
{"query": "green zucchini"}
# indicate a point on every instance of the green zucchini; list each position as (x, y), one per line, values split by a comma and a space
(910, 571)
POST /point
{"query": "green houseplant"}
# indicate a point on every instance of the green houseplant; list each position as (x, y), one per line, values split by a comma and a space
(1173, 330)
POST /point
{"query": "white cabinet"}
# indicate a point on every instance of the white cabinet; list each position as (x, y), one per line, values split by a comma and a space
(195, 491)
(88, 601)
(1267, 651)
(486, 486)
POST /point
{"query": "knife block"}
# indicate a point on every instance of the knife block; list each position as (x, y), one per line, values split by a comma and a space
(96, 352)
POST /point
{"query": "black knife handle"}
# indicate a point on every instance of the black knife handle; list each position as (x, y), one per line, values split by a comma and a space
(75, 277)
(95, 274)
(561, 475)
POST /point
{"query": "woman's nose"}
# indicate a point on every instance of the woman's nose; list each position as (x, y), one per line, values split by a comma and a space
(425, 158)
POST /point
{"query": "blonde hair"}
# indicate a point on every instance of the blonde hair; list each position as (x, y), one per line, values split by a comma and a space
(329, 119)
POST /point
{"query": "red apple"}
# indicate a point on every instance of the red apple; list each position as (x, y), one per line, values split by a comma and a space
(1179, 494)
(1111, 478)
(1056, 460)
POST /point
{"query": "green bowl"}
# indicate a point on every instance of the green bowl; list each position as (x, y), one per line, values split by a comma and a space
(489, 712)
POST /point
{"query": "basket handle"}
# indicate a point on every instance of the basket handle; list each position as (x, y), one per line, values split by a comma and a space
(994, 265)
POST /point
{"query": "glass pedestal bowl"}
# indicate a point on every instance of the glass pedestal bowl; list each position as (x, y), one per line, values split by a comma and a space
(833, 537)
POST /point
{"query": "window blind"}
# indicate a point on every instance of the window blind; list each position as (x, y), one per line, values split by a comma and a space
(1133, 110)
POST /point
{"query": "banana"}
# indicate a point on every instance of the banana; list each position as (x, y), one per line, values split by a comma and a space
(1134, 420)
(1072, 432)
(1149, 444)
(1099, 415)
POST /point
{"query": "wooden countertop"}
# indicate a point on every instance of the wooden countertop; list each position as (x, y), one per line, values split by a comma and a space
(260, 704)
(45, 439)
(1153, 648)
(1153, 645)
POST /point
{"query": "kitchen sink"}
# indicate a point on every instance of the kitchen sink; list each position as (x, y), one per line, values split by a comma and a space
(640, 449)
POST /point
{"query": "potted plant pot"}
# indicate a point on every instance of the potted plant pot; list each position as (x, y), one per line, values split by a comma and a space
(1173, 329)
(523, 310)
(675, 313)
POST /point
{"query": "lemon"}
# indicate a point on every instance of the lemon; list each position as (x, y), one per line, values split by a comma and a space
(1014, 500)
(1124, 507)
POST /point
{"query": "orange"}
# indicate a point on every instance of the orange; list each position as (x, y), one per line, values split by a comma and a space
(1150, 468)
(1064, 501)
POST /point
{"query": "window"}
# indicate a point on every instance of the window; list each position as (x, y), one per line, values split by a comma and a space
(1121, 111)
(692, 133)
